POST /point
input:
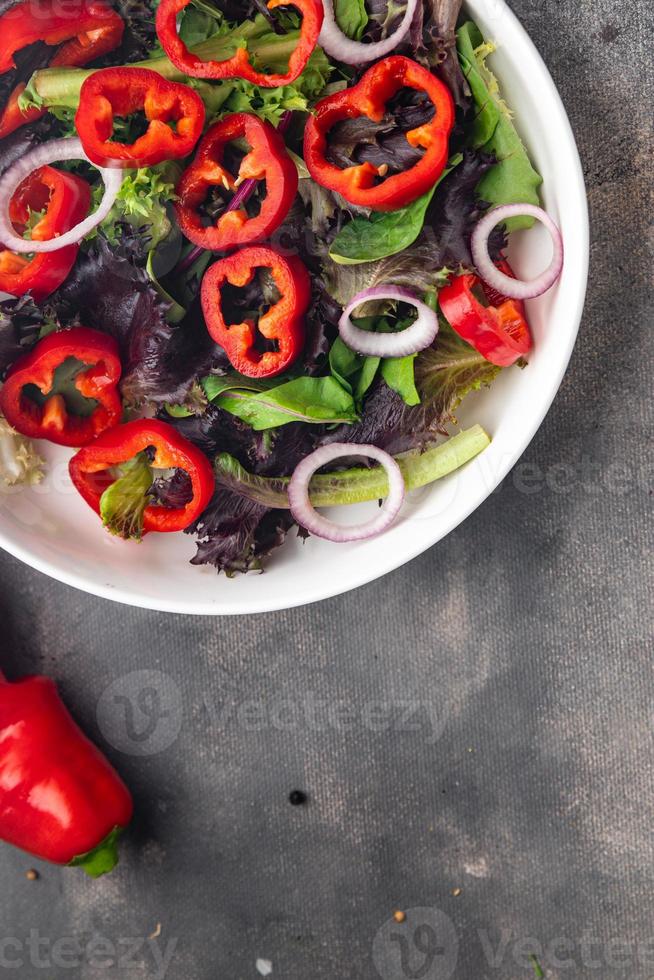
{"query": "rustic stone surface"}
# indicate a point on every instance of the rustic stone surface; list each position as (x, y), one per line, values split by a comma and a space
(517, 797)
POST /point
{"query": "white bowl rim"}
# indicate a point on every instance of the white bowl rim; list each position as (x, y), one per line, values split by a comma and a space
(513, 36)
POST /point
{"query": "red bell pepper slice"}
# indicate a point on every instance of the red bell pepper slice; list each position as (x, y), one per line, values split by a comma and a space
(359, 184)
(65, 200)
(283, 323)
(266, 160)
(90, 30)
(90, 469)
(98, 380)
(498, 332)
(239, 65)
(60, 799)
(122, 91)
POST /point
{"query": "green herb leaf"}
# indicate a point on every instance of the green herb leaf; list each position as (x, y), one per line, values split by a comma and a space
(384, 233)
(398, 373)
(314, 400)
(123, 503)
(351, 17)
(513, 179)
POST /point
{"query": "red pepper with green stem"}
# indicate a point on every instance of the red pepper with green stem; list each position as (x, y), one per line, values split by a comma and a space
(282, 324)
(89, 32)
(123, 91)
(45, 414)
(499, 332)
(60, 799)
(239, 64)
(266, 160)
(123, 500)
(360, 184)
(62, 199)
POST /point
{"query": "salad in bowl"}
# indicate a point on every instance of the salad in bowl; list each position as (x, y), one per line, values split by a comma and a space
(254, 258)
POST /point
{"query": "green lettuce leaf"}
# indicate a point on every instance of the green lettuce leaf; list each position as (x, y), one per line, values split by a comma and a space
(446, 372)
(314, 400)
(123, 503)
(351, 17)
(384, 233)
(513, 179)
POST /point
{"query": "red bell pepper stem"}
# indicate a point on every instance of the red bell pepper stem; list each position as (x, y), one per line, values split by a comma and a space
(90, 469)
(283, 322)
(243, 194)
(65, 199)
(97, 380)
(359, 184)
(60, 799)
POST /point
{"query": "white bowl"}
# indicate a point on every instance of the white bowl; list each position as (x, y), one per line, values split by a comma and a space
(53, 530)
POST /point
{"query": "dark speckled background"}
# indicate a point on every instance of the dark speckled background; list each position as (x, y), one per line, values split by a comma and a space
(475, 731)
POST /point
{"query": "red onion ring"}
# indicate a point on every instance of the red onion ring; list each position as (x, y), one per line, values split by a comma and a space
(419, 335)
(342, 48)
(41, 156)
(304, 512)
(488, 271)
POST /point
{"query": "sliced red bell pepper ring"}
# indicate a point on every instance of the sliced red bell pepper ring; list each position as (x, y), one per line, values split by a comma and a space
(239, 65)
(90, 469)
(359, 184)
(283, 323)
(90, 31)
(65, 200)
(498, 332)
(63, 801)
(98, 380)
(267, 160)
(122, 91)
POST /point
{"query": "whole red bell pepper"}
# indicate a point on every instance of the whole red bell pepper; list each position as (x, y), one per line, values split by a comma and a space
(64, 200)
(43, 412)
(499, 332)
(60, 799)
(122, 91)
(89, 28)
(239, 65)
(266, 160)
(283, 323)
(91, 472)
(361, 183)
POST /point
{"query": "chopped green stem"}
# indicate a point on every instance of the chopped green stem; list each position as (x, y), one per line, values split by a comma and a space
(358, 484)
(60, 87)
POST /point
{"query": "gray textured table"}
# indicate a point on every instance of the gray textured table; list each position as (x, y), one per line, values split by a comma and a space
(474, 732)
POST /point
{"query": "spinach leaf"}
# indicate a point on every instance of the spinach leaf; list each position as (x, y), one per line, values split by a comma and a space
(351, 17)
(313, 400)
(384, 233)
(513, 179)
(398, 373)
(355, 372)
